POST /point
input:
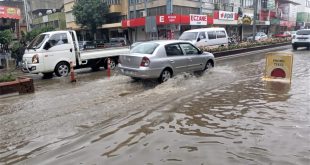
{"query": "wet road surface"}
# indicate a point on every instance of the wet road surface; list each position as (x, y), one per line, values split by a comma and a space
(228, 116)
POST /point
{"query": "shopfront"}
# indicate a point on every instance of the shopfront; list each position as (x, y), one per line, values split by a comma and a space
(9, 19)
(228, 20)
(167, 26)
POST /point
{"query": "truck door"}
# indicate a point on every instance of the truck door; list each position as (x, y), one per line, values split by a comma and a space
(60, 49)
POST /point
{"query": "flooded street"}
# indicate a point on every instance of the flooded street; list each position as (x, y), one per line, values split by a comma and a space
(227, 116)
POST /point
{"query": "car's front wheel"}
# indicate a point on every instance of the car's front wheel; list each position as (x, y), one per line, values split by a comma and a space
(295, 47)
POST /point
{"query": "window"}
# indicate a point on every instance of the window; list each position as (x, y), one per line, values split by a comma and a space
(145, 48)
(220, 34)
(173, 50)
(202, 35)
(189, 49)
(188, 36)
(211, 35)
(58, 39)
(308, 3)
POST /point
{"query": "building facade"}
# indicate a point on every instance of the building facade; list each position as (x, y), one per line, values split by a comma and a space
(118, 10)
(237, 16)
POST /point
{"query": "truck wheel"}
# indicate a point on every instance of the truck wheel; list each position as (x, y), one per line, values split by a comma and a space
(112, 64)
(48, 75)
(294, 47)
(62, 69)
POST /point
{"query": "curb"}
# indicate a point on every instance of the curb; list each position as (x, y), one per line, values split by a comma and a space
(21, 85)
(245, 50)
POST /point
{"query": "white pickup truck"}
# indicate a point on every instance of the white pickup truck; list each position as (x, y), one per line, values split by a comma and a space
(52, 52)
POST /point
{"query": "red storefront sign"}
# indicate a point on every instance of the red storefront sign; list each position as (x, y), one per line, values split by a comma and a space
(133, 22)
(163, 20)
(9, 12)
(172, 19)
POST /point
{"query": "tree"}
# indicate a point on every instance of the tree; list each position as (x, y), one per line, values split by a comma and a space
(90, 14)
(6, 37)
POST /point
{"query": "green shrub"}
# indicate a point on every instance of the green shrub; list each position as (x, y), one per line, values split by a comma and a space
(7, 78)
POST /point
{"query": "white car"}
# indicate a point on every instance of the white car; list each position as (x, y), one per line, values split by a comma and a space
(301, 39)
(259, 36)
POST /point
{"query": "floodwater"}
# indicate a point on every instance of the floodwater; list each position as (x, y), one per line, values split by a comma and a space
(228, 116)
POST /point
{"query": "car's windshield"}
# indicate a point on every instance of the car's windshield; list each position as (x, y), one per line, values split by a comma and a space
(145, 48)
(38, 41)
(303, 32)
(188, 36)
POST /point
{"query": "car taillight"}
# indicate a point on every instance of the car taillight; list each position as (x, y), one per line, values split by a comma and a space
(145, 62)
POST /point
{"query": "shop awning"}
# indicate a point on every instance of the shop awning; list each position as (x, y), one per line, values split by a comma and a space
(112, 25)
(9, 12)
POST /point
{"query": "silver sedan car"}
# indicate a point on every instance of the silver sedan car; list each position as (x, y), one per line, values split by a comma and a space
(164, 59)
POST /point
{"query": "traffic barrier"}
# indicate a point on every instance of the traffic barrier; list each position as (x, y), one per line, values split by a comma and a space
(279, 66)
(72, 75)
(109, 68)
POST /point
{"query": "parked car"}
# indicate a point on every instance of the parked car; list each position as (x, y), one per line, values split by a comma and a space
(206, 37)
(87, 45)
(301, 39)
(284, 34)
(259, 36)
(163, 59)
(116, 42)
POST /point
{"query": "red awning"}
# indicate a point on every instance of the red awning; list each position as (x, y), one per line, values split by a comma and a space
(9, 12)
(133, 22)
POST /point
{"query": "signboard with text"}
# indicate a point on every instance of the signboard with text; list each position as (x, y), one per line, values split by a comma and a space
(198, 19)
(279, 66)
(9, 12)
(224, 15)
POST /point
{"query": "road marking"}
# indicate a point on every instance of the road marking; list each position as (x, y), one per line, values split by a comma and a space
(251, 52)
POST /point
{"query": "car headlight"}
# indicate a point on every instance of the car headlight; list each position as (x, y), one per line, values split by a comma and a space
(35, 59)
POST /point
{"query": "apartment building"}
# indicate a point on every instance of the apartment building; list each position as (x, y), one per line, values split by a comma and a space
(118, 10)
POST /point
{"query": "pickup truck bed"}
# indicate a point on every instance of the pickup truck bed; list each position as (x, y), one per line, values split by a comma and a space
(101, 53)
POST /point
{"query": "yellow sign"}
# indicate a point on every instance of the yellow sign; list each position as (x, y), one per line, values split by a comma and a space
(246, 20)
(11, 11)
(279, 65)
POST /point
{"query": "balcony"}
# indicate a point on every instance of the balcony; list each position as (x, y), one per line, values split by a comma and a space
(115, 8)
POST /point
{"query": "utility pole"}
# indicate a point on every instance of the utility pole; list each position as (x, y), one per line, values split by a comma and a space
(26, 14)
(255, 5)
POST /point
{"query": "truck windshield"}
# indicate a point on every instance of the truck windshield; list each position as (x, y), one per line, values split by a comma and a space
(38, 41)
(145, 48)
(188, 36)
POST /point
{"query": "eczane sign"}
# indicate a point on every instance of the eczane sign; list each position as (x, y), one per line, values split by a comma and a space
(198, 19)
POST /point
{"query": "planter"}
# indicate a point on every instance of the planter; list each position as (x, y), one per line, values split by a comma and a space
(244, 50)
(22, 85)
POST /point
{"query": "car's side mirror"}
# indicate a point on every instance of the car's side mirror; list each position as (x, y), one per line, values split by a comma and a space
(200, 51)
(198, 39)
(47, 46)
